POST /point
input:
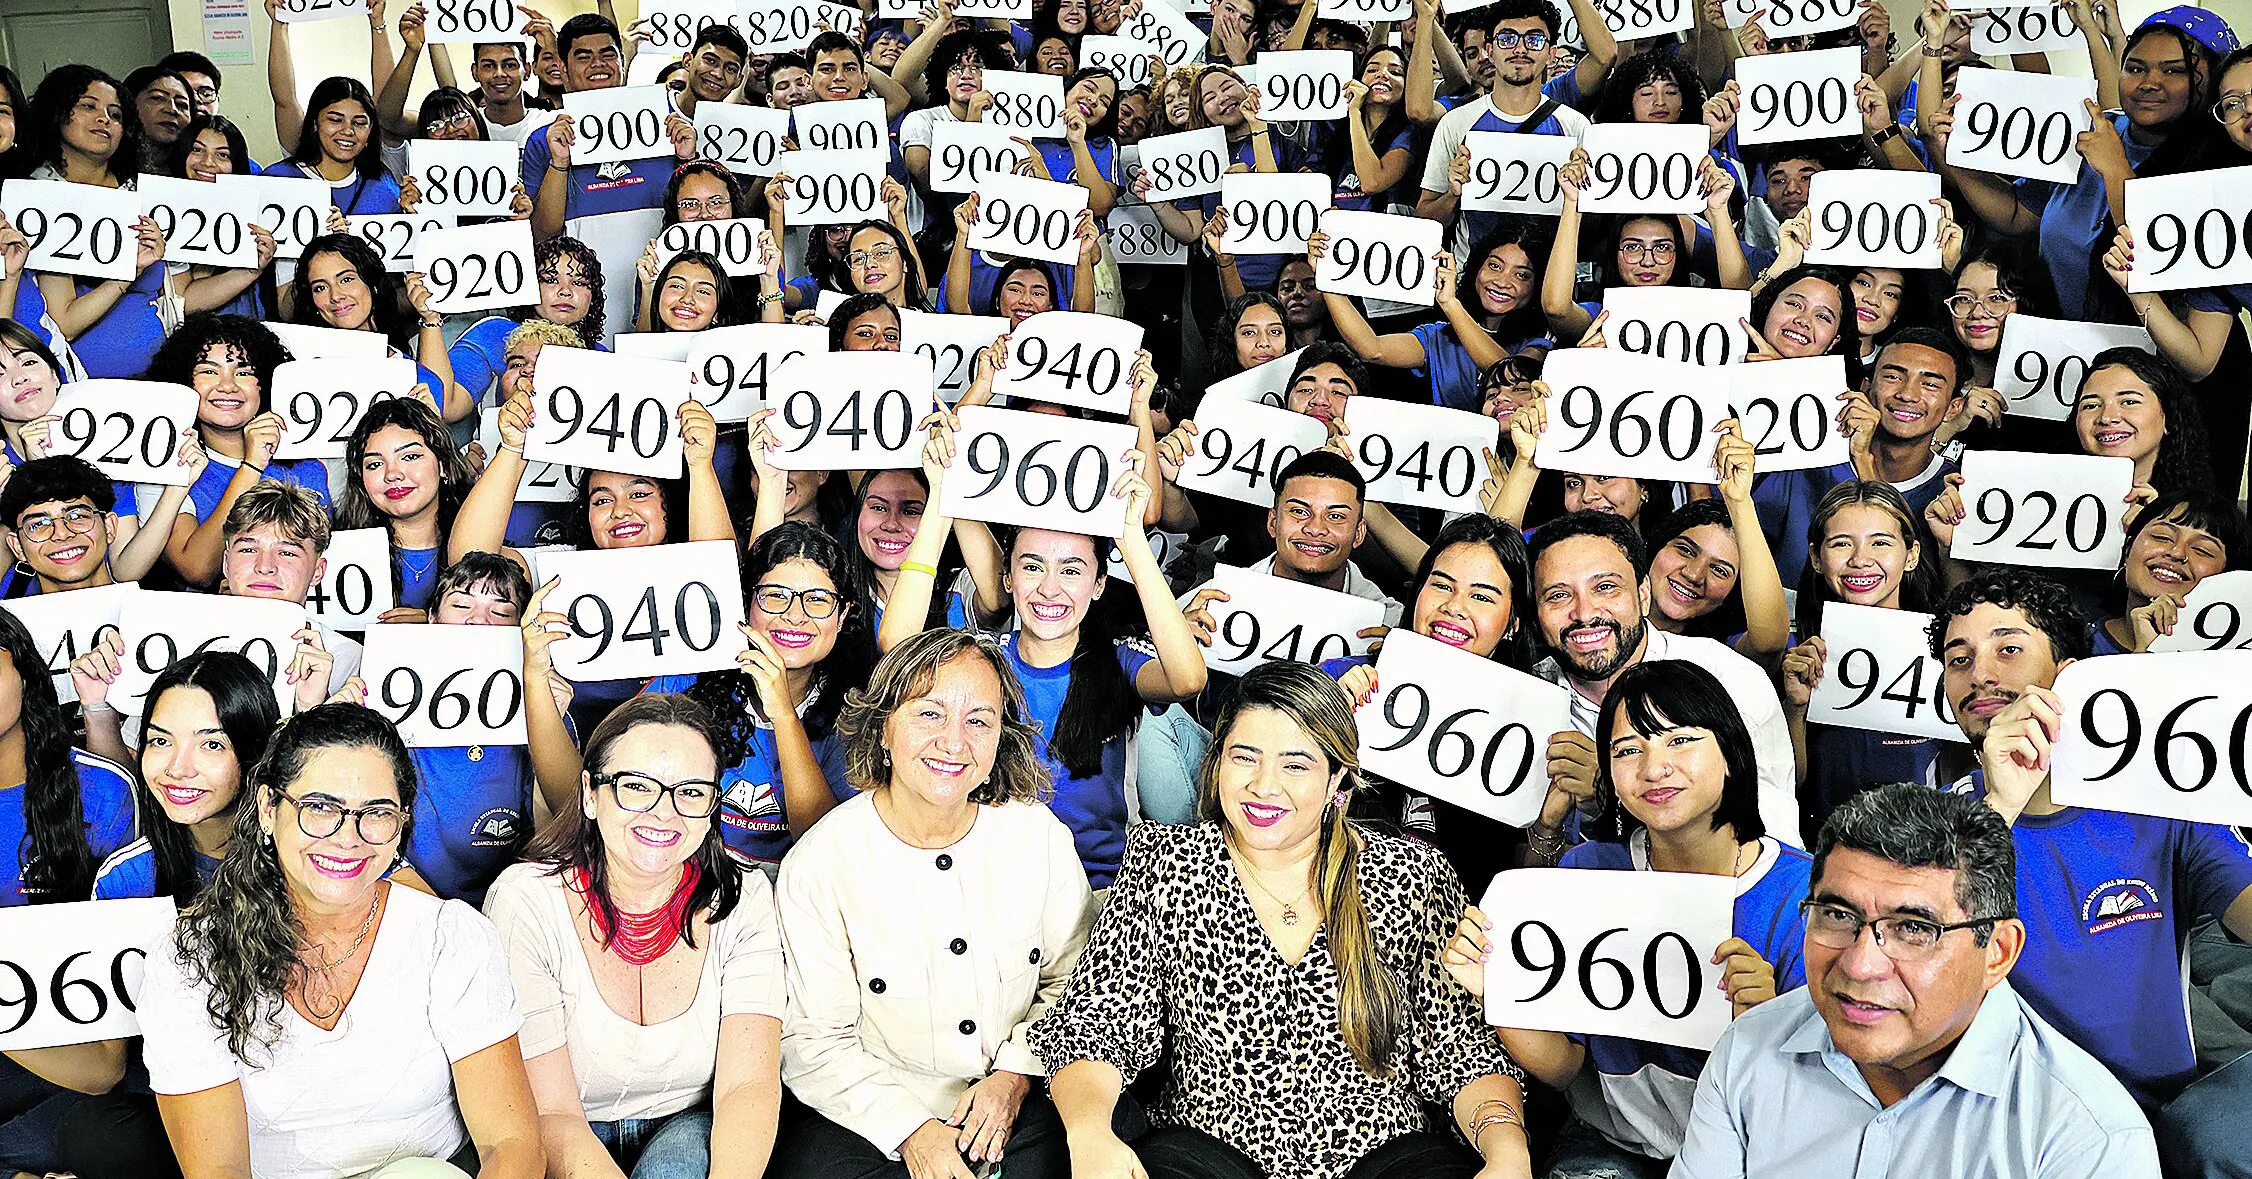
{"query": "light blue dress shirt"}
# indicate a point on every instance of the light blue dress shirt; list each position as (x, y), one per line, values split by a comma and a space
(2014, 1099)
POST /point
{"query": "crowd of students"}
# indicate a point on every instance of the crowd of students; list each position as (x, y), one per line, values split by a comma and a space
(971, 865)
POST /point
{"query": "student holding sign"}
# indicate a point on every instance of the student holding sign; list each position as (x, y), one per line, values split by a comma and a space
(211, 146)
(402, 473)
(571, 295)
(1017, 288)
(1680, 764)
(1371, 150)
(1636, 250)
(2174, 544)
(590, 48)
(336, 140)
(1274, 864)
(342, 283)
(2138, 406)
(2105, 894)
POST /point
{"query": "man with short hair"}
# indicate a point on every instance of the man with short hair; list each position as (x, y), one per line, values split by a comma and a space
(202, 76)
(1788, 173)
(274, 545)
(497, 69)
(841, 73)
(1591, 603)
(789, 81)
(2109, 896)
(713, 66)
(1908, 1054)
(60, 515)
(592, 60)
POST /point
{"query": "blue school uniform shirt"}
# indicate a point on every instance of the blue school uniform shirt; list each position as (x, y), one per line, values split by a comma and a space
(2108, 900)
(355, 195)
(1094, 807)
(122, 342)
(2072, 218)
(2100, 638)
(130, 872)
(1841, 763)
(1337, 160)
(598, 189)
(15, 581)
(480, 355)
(1785, 503)
(1647, 1088)
(1448, 367)
(752, 817)
(1062, 165)
(105, 804)
(1473, 225)
(471, 817)
(418, 571)
(211, 486)
(1258, 271)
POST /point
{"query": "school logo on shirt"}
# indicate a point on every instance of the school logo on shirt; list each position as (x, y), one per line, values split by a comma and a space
(496, 828)
(615, 174)
(2119, 902)
(752, 806)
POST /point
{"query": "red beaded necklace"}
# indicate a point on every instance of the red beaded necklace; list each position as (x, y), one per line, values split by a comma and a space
(642, 938)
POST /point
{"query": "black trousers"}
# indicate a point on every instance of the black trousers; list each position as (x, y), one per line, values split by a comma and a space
(116, 1136)
(1177, 1152)
(813, 1147)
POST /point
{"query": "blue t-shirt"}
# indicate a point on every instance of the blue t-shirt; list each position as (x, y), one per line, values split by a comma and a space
(1841, 763)
(1447, 364)
(1647, 1087)
(2100, 636)
(105, 803)
(1094, 807)
(125, 338)
(2108, 899)
(2072, 218)
(130, 872)
(1063, 166)
(211, 486)
(418, 571)
(752, 818)
(480, 355)
(1785, 502)
(354, 196)
(471, 817)
(1337, 160)
(1564, 89)
(597, 189)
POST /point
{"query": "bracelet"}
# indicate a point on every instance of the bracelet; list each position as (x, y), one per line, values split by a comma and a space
(776, 297)
(1546, 847)
(552, 166)
(1502, 1114)
(1932, 51)
(433, 321)
(918, 567)
(90, 709)
(1885, 134)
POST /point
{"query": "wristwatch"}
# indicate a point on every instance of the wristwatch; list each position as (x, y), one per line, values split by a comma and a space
(1885, 134)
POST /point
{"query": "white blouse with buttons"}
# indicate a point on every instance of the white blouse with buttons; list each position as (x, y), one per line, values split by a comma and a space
(914, 973)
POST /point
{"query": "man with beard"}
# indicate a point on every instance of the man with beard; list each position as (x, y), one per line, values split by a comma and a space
(2108, 896)
(1591, 601)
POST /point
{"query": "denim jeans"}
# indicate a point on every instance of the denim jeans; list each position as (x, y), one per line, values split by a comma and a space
(1582, 1153)
(31, 1109)
(675, 1147)
(1167, 749)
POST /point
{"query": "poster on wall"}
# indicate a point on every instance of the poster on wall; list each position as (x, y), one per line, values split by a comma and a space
(226, 33)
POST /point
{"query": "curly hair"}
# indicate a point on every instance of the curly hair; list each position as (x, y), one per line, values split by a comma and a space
(1661, 64)
(239, 939)
(254, 345)
(909, 670)
(729, 694)
(57, 863)
(51, 105)
(2048, 606)
(547, 264)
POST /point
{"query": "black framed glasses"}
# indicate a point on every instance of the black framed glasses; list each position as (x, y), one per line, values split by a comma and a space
(777, 600)
(1903, 939)
(320, 817)
(638, 792)
(1508, 39)
(41, 529)
(722, 204)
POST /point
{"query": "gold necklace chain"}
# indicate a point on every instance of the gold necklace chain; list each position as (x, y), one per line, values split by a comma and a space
(1289, 908)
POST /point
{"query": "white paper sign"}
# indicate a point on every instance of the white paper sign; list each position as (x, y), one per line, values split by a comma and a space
(1185, 163)
(730, 367)
(618, 123)
(1028, 218)
(1125, 58)
(788, 27)
(203, 224)
(2216, 616)
(1614, 413)
(2042, 362)
(1880, 676)
(950, 343)
(1138, 238)
(394, 234)
(1365, 11)
(309, 342)
(1073, 358)
(78, 229)
(736, 242)
(1303, 84)
(1794, 18)
(1643, 168)
(669, 609)
(449, 686)
(1029, 104)
(1694, 325)
(671, 25)
(851, 125)
(1266, 618)
(293, 208)
(1793, 96)
(1037, 470)
(965, 155)
(479, 267)
(1874, 217)
(161, 628)
(1787, 410)
(1426, 455)
(1159, 26)
(834, 187)
(542, 483)
(2034, 28)
(1462, 729)
(1266, 384)
(1609, 953)
(851, 411)
(2187, 230)
(355, 587)
(1635, 19)
(465, 177)
(320, 401)
(1274, 212)
(130, 430)
(78, 966)
(67, 625)
(2020, 124)
(1380, 256)
(297, 12)
(1243, 446)
(2051, 511)
(1512, 173)
(672, 346)
(746, 140)
(454, 22)
(607, 412)
(2156, 735)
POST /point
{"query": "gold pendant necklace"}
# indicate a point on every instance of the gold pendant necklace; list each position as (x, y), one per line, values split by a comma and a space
(1289, 908)
(323, 970)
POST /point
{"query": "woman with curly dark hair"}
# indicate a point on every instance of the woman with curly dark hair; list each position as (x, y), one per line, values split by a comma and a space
(245, 1014)
(570, 278)
(342, 283)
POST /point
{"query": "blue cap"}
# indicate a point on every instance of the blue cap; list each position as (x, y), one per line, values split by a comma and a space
(2199, 24)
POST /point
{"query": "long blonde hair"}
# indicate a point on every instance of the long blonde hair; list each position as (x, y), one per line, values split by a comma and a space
(1369, 996)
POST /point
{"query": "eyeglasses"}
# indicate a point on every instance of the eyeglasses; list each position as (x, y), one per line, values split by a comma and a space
(41, 529)
(206, 93)
(693, 799)
(2231, 107)
(1995, 302)
(880, 255)
(966, 69)
(320, 818)
(457, 121)
(1646, 249)
(1903, 939)
(1506, 39)
(777, 599)
(711, 204)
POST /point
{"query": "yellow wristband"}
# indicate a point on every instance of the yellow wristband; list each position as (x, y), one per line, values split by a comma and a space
(919, 567)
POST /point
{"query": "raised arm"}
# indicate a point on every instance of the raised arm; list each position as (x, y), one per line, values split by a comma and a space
(481, 524)
(281, 83)
(1566, 316)
(556, 764)
(1767, 620)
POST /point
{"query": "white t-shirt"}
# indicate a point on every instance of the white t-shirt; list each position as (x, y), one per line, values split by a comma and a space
(628, 1070)
(379, 1088)
(534, 120)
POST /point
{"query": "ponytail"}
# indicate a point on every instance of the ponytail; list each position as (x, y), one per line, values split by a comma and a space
(1368, 994)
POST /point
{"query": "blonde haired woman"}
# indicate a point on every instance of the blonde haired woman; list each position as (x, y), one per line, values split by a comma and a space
(1292, 959)
(926, 924)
